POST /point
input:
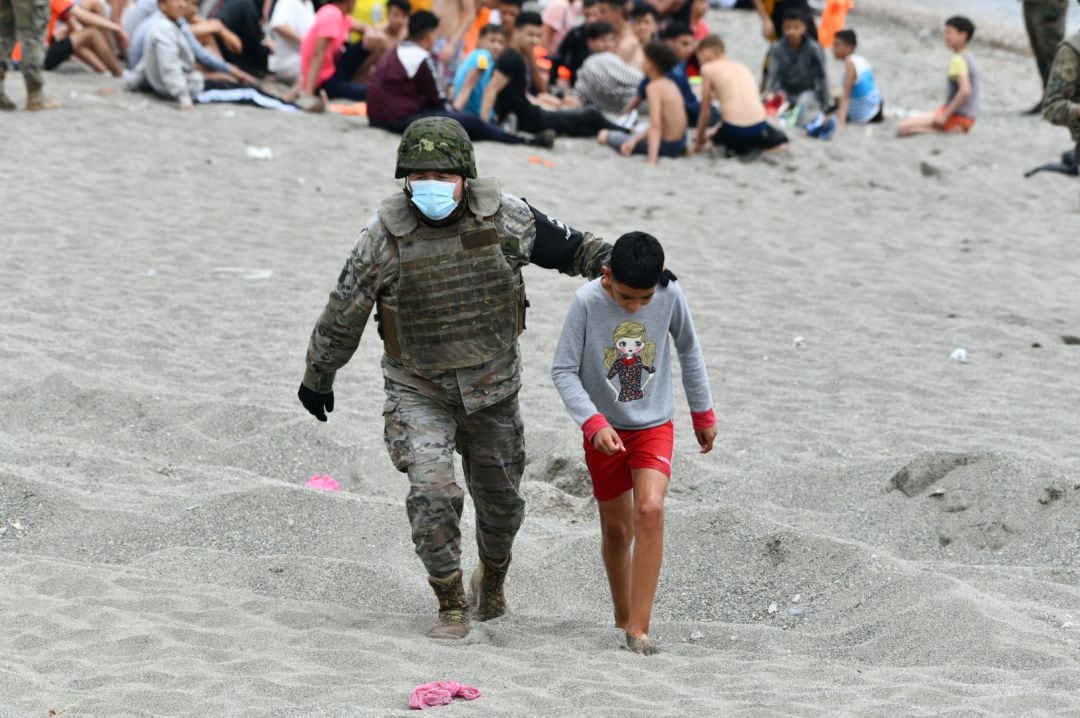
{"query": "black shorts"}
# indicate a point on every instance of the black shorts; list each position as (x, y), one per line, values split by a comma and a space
(58, 51)
(744, 140)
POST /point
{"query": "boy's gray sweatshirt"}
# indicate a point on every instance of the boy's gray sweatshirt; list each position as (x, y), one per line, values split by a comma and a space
(605, 364)
(796, 71)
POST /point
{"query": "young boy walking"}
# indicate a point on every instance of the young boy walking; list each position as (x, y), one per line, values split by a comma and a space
(612, 368)
(959, 111)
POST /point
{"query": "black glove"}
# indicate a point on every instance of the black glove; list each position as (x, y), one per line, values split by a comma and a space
(316, 402)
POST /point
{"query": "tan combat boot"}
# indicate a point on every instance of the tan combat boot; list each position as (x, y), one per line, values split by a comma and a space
(36, 100)
(5, 101)
(453, 609)
(488, 599)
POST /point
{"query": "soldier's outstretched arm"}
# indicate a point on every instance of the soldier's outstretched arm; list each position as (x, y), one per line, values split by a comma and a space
(1063, 89)
(571, 251)
(337, 333)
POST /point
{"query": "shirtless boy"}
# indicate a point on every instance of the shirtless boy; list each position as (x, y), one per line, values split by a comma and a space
(666, 131)
(743, 129)
(613, 12)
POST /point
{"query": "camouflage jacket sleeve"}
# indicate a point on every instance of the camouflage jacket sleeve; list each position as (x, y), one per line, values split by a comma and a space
(547, 242)
(338, 331)
(1063, 90)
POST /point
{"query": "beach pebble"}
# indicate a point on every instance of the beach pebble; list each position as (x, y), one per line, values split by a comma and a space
(796, 611)
(259, 153)
(3, 530)
(959, 354)
(929, 170)
(799, 341)
(697, 636)
(773, 608)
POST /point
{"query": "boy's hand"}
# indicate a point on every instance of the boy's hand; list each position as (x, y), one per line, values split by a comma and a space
(705, 438)
(608, 442)
(940, 118)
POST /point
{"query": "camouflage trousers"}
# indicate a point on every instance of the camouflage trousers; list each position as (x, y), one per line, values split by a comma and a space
(24, 21)
(1045, 22)
(424, 425)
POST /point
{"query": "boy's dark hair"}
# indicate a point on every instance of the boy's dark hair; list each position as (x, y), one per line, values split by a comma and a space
(661, 55)
(847, 37)
(675, 29)
(403, 5)
(642, 9)
(621, 4)
(712, 42)
(421, 24)
(528, 18)
(637, 259)
(490, 29)
(515, 3)
(598, 29)
(796, 13)
(962, 24)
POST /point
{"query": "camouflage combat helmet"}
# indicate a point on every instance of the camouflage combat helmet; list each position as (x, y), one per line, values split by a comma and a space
(436, 143)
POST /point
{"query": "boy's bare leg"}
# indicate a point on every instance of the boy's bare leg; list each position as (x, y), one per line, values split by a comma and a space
(650, 486)
(919, 124)
(82, 45)
(617, 535)
(101, 47)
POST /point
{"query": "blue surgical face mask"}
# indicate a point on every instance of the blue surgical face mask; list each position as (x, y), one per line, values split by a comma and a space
(433, 198)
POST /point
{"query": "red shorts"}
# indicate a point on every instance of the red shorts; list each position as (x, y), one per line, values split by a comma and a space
(645, 449)
(958, 123)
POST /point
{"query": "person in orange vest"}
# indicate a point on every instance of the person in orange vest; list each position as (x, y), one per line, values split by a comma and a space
(832, 20)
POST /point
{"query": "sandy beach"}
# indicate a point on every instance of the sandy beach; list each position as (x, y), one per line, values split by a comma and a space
(881, 531)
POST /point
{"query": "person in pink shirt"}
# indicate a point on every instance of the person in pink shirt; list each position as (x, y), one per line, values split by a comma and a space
(327, 60)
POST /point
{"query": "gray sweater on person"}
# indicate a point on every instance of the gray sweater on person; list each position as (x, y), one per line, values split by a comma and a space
(606, 365)
(168, 64)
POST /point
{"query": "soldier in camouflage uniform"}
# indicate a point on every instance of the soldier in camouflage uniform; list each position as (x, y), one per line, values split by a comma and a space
(1045, 23)
(1061, 103)
(441, 264)
(25, 21)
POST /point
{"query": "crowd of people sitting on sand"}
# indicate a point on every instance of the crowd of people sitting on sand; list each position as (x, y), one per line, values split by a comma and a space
(645, 77)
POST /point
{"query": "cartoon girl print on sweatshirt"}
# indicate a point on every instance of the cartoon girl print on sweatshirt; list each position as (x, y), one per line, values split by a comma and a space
(632, 354)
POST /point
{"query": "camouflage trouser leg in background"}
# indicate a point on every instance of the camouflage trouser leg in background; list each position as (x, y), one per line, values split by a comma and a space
(422, 432)
(1045, 23)
(25, 21)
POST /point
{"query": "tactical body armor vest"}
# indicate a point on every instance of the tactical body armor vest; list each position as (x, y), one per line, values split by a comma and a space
(457, 302)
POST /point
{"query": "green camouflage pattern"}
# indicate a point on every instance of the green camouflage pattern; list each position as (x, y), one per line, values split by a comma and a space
(456, 300)
(24, 21)
(1060, 103)
(429, 415)
(436, 143)
(1045, 23)
(425, 423)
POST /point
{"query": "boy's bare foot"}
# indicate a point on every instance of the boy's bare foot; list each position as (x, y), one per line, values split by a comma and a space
(602, 136)
(642, 645)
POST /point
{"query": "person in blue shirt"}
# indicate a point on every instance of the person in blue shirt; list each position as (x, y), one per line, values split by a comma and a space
(860, 101)
(474, 72)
